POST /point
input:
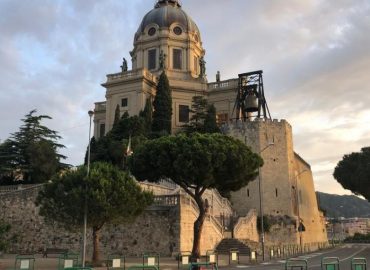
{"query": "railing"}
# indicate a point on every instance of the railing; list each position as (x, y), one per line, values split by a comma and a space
(166, 200)
(194, 207)
(215, 223)
(100, 106)
(223, 201)
(130, 74)
(232, 83)
(168, 183)
(16, 188)
(157, 188)
(244, 220)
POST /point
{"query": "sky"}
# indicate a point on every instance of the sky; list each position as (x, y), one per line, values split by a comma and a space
(315, 54)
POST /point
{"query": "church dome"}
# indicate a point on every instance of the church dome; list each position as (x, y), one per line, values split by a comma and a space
(166, 13)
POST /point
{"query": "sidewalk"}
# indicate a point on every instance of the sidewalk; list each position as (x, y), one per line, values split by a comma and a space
(166, 263)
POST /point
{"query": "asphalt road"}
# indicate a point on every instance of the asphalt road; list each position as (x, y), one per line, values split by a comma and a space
(344, 253)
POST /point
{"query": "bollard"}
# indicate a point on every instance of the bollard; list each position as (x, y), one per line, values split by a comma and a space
(183, 259)
(253, 256)
(234, 256)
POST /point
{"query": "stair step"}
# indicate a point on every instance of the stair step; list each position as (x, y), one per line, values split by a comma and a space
(228, 243)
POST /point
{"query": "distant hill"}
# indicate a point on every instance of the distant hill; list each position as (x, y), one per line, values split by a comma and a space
(343, 205)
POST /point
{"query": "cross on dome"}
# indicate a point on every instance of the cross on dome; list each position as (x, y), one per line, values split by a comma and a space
(160, 3)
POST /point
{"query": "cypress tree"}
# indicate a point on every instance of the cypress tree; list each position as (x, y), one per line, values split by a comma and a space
(147, 115)
(162, 106)
(117, 115)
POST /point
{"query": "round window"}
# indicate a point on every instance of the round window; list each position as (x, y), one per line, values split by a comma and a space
(152, 31)
(177, 30)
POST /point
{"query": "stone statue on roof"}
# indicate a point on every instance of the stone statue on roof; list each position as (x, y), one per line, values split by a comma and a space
(202, 64)
(124, 65)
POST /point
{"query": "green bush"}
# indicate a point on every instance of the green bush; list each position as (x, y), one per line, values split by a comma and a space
(4, 229)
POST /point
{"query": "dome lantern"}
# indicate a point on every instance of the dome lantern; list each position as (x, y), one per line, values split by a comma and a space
(160, 3)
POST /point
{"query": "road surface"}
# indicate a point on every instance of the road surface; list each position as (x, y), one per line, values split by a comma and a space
(344, 253)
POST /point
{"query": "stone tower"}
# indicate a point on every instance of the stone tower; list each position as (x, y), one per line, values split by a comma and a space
(286, 180)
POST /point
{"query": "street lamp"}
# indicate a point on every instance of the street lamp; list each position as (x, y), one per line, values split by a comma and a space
(261, 205)
(300, 227)
(91, 113)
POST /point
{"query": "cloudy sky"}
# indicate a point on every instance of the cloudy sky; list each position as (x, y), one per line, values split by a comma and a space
(54, 54)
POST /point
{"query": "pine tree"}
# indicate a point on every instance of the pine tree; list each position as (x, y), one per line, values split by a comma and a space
(203, 119)
(32, 152)
(199, 113)
(162, 104)
(111, 196)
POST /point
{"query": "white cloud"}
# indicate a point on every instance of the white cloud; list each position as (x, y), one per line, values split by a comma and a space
(315, 56)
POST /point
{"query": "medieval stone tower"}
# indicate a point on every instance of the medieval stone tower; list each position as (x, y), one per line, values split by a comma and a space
(287, 189)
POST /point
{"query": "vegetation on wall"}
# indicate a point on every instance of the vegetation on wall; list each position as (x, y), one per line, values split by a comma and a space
(266, 224)
(4, 230)
(197, 162)
(270, 220)
(353, 172)
(31, 155)
(111, 196)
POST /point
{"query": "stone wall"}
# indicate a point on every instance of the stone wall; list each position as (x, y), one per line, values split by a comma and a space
(156, 230)
(281, 235)
(212, 232)
(307, 208)
(287, 185)
(165, 227)
(276, 173)
(246, 227)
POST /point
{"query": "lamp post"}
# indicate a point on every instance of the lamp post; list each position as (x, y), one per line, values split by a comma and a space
(261, 204)
(298, 212)
(91, 113)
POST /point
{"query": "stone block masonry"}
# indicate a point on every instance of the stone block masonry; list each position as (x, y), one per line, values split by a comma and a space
(156, 230)
(287, 186)
(165, 227)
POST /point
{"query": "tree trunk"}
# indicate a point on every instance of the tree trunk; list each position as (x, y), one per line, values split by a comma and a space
(198, 226)
(96, 237)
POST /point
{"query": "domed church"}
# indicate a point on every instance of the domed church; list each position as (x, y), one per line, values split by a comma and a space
(283, 192)
(169, 40)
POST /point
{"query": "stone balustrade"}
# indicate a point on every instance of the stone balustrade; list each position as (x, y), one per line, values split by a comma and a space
(233, 83)
(130, 74)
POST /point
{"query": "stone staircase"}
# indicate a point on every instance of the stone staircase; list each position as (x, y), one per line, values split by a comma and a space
(227, 243)
(251, 244)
